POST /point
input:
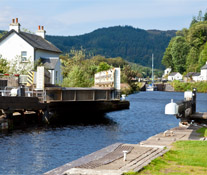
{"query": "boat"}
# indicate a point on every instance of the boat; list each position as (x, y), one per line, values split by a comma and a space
(152, 87)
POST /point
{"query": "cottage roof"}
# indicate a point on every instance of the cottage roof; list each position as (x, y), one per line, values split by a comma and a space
(49, 63)
(190, 74)
(35, 41)
(173, 73)
(196, 74)
(204, 67)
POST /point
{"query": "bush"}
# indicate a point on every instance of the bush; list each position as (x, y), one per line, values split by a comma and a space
(183, 86)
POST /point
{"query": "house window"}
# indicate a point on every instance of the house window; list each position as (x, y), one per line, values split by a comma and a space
(24, 56)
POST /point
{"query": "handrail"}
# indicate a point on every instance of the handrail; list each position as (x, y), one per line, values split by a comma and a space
(40, 94)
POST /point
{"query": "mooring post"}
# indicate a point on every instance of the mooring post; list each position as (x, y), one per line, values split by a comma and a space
(194, 101)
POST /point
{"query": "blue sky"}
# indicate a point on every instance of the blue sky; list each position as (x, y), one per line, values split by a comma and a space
(76, 17)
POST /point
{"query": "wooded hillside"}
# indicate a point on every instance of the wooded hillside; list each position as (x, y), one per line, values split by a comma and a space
(134, 45)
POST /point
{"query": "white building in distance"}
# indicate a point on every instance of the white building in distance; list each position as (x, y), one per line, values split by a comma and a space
(31, 47)
(175, 76)
(201, 76)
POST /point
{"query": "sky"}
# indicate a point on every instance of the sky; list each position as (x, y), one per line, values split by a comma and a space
(77, 17)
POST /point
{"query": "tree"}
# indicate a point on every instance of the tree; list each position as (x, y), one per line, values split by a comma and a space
(128, 74)
(203, 56)
(197, 35)
(2, 34)
(19, 67)
(167, 58)
(205, 17)
(200, 16)
(194, 21)
(103, 66)
(4, 65)
(77, 78)
(179, 51)
(183, 32)
(188, 50)
(192, 60)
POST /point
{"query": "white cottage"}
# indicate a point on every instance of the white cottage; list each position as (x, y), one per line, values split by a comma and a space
(31, 47)
(175, 76)
(203, 76)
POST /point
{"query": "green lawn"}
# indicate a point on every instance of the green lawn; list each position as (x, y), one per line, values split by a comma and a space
(185, 157)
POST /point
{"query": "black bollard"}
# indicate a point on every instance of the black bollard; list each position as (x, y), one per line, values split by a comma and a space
(194, 101)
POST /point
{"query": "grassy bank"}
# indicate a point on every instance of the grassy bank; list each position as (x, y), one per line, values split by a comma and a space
(183, 86)
(185, 157)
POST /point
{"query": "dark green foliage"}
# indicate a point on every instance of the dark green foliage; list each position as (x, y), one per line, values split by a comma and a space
(187, 51)
(79, 71)
(167, 58)
(2, 33)
(179, 53)
(203, 56)
(4, 65)
(205, 17)
(134, 45)
(197, 34)
(192, 60)
(182, 86)
(103, 66)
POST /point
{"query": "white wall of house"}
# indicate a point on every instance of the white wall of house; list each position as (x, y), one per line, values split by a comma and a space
(13, 45)
(177, 76)
(170, 78)
(204, 74)
(167, 71)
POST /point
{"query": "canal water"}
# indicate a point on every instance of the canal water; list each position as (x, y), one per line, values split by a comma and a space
(38, 150)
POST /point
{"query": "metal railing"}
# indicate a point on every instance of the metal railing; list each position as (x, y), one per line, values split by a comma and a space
(7, 91)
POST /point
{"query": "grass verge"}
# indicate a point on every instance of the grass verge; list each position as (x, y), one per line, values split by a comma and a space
(185, 157)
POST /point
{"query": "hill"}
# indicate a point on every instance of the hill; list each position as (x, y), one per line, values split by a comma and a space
(132, 44)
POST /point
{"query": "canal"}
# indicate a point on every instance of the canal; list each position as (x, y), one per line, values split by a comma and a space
(38, 150)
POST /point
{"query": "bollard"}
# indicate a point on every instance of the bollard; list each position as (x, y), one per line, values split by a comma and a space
(165, 133)
(125, 154)
(194, 101)
(123, 96)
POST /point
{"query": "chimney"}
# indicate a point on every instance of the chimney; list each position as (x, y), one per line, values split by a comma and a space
(15, 25)
(41, 32)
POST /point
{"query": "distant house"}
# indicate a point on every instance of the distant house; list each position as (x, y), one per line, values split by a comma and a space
(203, 75)
(191, 76)
(175, 76)
(31, 47)
(167, 71)
(196, 76)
